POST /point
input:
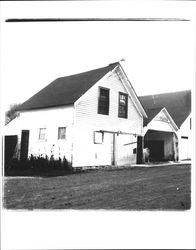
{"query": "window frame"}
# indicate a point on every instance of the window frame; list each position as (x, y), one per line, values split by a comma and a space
(59, 133)
(39, 137)
(126, 106)
(99, 100)
(94, 137)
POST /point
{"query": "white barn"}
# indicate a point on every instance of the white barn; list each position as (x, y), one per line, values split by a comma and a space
(92, 119)
(167, 130)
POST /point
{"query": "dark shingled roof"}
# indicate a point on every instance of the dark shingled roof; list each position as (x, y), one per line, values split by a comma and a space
(66, 90)
(178, 104)
(151, 113)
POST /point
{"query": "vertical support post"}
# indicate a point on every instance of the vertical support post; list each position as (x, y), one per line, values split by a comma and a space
(140, 150)
(113, 149)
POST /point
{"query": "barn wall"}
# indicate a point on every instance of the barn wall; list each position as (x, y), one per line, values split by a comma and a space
(185, 144)
(51, 119)
(87, 120)
(13, 127)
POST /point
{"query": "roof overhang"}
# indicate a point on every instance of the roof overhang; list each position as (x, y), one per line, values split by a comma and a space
(159, 118)
(170, 118)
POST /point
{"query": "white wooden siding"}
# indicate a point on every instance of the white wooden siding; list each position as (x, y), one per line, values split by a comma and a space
(51, 119)
(185, 145)
(125, 145)
(87, 120)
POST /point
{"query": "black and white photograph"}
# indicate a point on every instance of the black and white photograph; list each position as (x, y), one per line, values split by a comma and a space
(97, 108)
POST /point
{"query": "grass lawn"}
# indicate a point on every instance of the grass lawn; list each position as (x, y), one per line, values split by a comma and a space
(164, 187)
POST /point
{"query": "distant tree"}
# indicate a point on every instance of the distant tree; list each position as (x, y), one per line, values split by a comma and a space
(12, 112)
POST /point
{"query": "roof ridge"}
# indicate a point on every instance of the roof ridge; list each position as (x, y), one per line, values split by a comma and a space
(66, 90)
(84, 72)
(178, 104)
(166, 93)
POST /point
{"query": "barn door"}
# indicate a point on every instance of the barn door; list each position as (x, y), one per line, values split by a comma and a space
(24, 144)
(112, 149)
(156, 150)
(10, 146)
(139, 150)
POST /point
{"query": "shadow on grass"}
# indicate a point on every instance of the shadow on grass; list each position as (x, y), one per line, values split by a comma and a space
(37, 173)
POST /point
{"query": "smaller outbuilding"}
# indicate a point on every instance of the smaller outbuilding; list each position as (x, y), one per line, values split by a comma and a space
(167, 130)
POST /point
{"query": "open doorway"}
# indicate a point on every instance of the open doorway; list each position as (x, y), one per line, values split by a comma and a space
(162, 145)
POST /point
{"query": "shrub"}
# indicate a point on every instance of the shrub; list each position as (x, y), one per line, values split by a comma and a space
(37, 166)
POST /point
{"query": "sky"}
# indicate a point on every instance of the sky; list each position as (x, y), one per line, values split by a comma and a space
(158, 55)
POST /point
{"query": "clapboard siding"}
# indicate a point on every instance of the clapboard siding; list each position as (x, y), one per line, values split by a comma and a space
(86, 109)
(87, 120)
(185, 139)
(51, 119)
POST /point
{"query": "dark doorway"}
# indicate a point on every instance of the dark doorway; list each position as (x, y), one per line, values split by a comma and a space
(113, 149)
(139, 150)
(156, 150)
(24, 145)
(10, 146)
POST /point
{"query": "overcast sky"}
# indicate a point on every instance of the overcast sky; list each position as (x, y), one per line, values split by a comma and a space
(159, 55)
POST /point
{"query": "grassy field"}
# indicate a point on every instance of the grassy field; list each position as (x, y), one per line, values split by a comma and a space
(164, 187)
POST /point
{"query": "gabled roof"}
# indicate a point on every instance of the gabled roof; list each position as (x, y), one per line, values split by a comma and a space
(178, 104)
(66, 90)
(151, 113)
(158, 115)
(132, 93)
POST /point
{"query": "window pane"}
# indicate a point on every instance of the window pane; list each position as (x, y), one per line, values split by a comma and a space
(98, 137)
(103, 103)
(123, 106)
(42, 133)
(104, 92)
(61, 133)
(122, 99)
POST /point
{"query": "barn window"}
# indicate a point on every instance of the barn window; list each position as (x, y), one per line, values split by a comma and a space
(42, 134)
(103, 103)
(98, 137)
(123, 105)
(184, 137)
(61, 133)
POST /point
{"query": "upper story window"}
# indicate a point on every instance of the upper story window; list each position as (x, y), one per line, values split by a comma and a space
(123, 105)
(103, 103)
(42, 134)
(61, 133)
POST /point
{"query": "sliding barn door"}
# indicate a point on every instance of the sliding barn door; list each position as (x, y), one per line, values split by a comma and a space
(24, 145)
